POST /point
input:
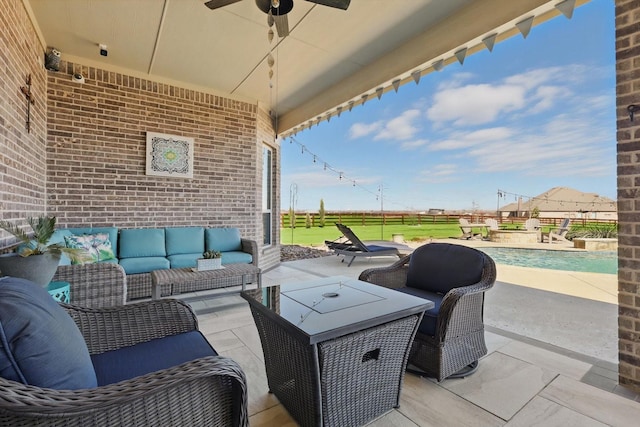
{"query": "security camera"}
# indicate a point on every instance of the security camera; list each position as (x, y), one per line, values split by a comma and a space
(78, 78)
(103, 50)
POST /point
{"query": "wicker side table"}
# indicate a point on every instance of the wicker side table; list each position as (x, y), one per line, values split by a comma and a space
(331, 365)
(177, 280)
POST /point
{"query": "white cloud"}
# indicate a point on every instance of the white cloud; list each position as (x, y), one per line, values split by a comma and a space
(533, 91)
(401, 127)
(441, 173)
(475, 104)
(469, 139)
(563, 147)
(359, 130)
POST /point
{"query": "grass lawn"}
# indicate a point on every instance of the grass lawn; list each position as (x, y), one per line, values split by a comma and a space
(315, 236)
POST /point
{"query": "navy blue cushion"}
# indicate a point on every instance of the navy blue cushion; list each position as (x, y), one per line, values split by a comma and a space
(440, 267)
(428, 324)
(40, 344)
(155, 355)
(378, 248)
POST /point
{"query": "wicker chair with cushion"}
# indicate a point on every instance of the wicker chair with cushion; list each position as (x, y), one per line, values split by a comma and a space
(450, 337)
(142, 364)
(94, 285)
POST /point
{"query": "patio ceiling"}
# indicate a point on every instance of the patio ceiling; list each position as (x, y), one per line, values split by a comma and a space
(328, 62)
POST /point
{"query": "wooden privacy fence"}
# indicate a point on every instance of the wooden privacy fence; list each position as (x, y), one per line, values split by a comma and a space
(412, 218)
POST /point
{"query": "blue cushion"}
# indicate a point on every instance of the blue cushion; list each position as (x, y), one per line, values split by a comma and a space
(155, 355)
(111, 231)
(144, 264)
(440, 267)
(40, 344)
(184, 240)
(236, 257)
(142, 242)
(184, 260)
(428, 324)
(223, 239)
(378, 248)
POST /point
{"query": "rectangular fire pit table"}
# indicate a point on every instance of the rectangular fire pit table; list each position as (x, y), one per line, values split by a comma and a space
(335, 348)
(180, 280)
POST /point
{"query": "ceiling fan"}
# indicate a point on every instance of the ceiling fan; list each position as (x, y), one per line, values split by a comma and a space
(277, 10)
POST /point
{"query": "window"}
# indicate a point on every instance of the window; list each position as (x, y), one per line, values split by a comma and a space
(267, 194)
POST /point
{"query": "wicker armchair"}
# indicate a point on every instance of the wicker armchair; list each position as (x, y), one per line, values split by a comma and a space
(207, 391)
(450, 337)
(94, 285)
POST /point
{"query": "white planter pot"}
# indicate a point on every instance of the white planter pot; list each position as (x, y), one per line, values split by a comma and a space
(209, 264)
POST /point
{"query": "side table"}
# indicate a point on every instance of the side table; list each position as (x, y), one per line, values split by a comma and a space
(59, 291)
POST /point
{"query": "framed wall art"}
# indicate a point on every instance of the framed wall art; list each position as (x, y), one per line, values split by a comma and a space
(169, 155)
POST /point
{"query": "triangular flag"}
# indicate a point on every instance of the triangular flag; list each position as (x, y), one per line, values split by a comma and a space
(490, 41)
(396, 85)
(566, 7)
(461, 54)
(438, 65)
(525, 26)
(379, 92)
(416, 76)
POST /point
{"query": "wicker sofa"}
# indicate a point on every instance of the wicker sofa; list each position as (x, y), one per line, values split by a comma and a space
(139, 251)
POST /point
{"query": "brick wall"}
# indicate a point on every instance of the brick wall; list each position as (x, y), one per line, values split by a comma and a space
(96, 154)
(628, 136)
(22, 154)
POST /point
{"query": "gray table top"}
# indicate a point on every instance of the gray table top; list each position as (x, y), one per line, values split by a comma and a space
(330, 307)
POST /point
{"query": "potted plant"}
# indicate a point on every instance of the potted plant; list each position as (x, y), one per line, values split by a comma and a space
(211, 260)
(35, 259)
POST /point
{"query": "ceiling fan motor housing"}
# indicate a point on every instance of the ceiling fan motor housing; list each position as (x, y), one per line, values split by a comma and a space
(283, 8)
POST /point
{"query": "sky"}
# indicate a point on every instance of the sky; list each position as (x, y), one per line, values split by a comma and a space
(534, 114)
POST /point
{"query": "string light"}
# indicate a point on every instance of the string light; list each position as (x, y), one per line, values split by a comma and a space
(327, 167)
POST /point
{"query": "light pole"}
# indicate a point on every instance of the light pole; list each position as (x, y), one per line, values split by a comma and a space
(293, 197)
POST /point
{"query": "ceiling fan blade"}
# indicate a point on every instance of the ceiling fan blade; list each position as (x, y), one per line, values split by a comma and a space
(215, 4)
(338, 4)
(282, 25)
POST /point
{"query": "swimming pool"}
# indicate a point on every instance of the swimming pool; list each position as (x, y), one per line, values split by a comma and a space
(591, 262)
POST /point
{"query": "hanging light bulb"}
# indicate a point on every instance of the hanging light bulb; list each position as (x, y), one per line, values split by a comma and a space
(275, 3)
(270, 35)
(270, 60)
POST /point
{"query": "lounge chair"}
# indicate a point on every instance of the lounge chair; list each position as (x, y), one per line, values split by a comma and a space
(558, 234)
(467, 229)
(450, 338)
(492, 224)
(352, 246)
(533, 224)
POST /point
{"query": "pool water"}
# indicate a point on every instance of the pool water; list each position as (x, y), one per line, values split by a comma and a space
(591, 262)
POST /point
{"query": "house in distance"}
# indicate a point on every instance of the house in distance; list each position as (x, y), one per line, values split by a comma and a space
(562, 202)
